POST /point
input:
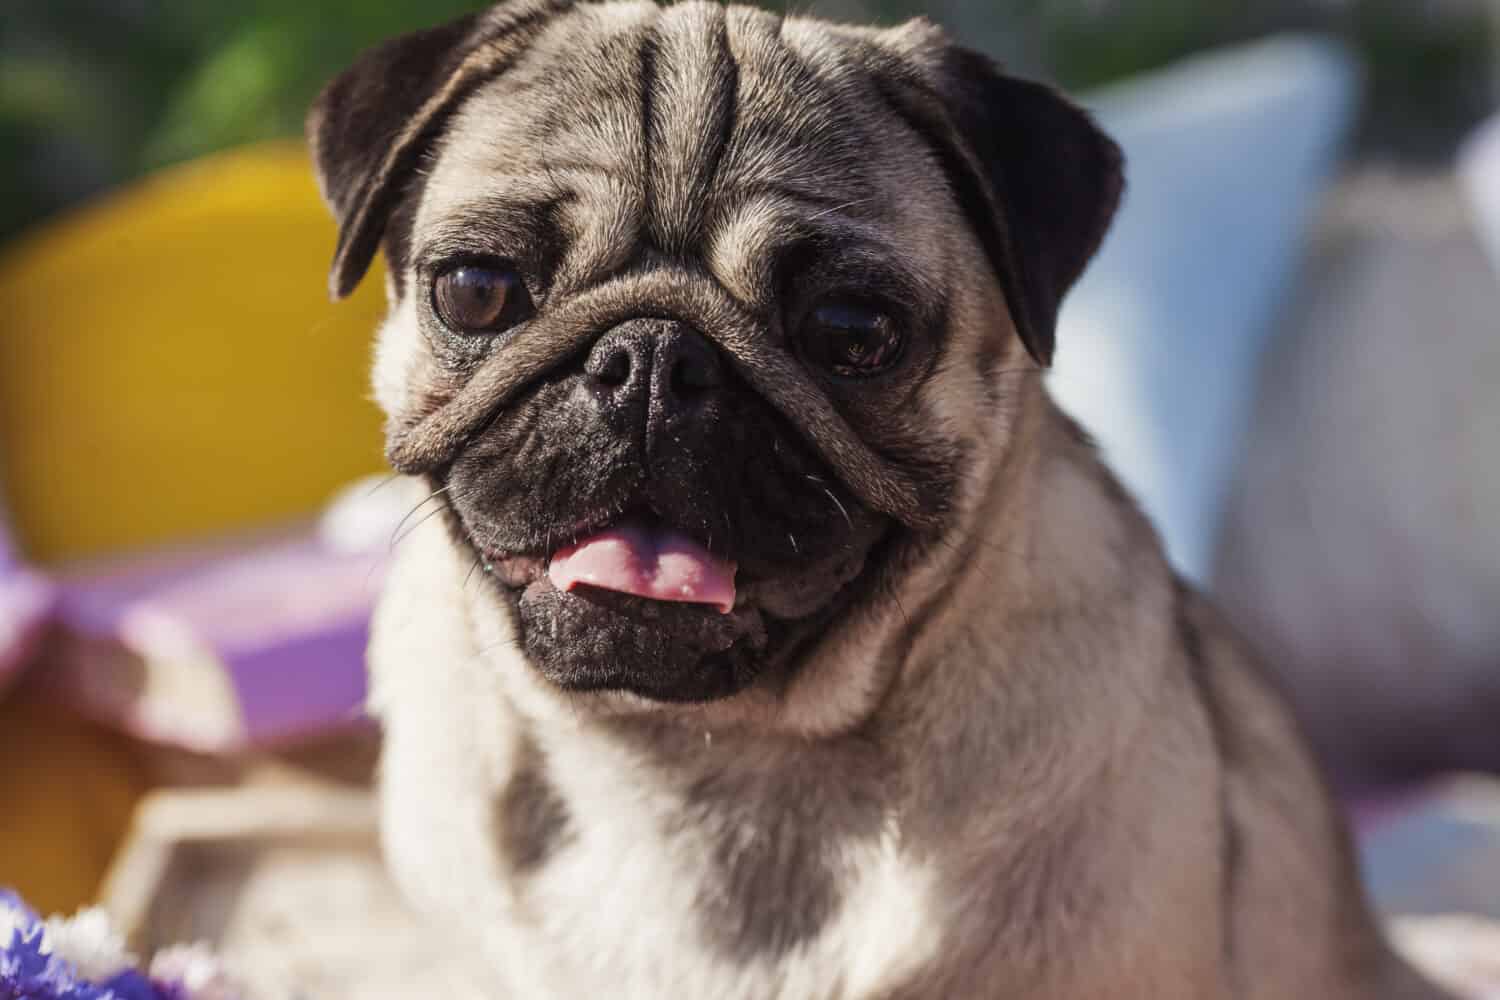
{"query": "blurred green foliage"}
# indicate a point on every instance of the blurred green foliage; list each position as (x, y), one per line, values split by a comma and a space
(93, 92)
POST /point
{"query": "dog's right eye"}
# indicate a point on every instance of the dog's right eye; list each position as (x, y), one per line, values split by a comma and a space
(480, 298)
(851, 340)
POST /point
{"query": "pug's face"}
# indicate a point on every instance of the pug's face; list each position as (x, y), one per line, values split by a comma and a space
(704, 321)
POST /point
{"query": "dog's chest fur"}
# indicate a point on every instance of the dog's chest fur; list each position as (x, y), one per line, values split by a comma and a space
(758, 891)
(722, 874)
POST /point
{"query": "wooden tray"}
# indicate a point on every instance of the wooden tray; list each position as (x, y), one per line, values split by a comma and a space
(286, 884)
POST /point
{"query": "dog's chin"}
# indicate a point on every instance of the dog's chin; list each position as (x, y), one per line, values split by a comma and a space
(592, 640)
(598, 640)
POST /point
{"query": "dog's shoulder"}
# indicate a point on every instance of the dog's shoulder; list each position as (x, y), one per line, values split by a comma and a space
(1285, 838)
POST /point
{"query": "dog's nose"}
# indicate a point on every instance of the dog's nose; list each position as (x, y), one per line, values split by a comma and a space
(665, 364)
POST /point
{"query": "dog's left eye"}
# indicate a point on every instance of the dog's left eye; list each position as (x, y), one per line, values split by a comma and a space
(480, 298)
(851, 340)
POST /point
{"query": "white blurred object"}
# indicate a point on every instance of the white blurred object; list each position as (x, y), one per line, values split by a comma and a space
(1479, 170)
(369, 515)
(1460, 952)
(1362, 544)
(89, 943)
(1160, 344)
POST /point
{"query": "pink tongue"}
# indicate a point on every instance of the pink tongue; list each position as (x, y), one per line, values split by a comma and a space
(647, 561)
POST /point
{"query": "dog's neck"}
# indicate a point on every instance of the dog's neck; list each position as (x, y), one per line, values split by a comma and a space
(1059, 552)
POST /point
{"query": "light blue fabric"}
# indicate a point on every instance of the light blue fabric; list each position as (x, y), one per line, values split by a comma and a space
(1159, 345)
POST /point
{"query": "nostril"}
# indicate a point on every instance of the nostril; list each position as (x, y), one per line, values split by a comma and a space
(659, 360)
(614, 369)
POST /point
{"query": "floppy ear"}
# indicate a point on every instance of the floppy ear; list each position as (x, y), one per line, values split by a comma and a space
(1037, 178)
(369, 128)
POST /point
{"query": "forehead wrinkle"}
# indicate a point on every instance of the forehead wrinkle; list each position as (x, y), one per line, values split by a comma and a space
(465, 189)
(572, 95)
(784, 190)
(791, 120)
(501, 235)
(603, 229)
(748, 241)
(689, 83)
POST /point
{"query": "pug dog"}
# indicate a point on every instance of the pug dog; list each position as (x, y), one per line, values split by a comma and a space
(779, 636)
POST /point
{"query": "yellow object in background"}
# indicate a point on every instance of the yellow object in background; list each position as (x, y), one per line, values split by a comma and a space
(171, 366)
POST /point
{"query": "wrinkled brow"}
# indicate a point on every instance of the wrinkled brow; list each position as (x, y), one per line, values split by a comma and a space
(518, 227)
(767, 242)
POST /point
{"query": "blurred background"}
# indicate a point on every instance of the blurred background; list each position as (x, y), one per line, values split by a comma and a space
(1289, 348)
(98, 92)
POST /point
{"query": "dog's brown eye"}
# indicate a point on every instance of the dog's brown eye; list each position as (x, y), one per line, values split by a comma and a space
(480, 298)
(851, 340)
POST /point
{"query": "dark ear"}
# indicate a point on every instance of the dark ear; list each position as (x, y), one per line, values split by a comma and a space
(370, 127)
(1035, 175)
